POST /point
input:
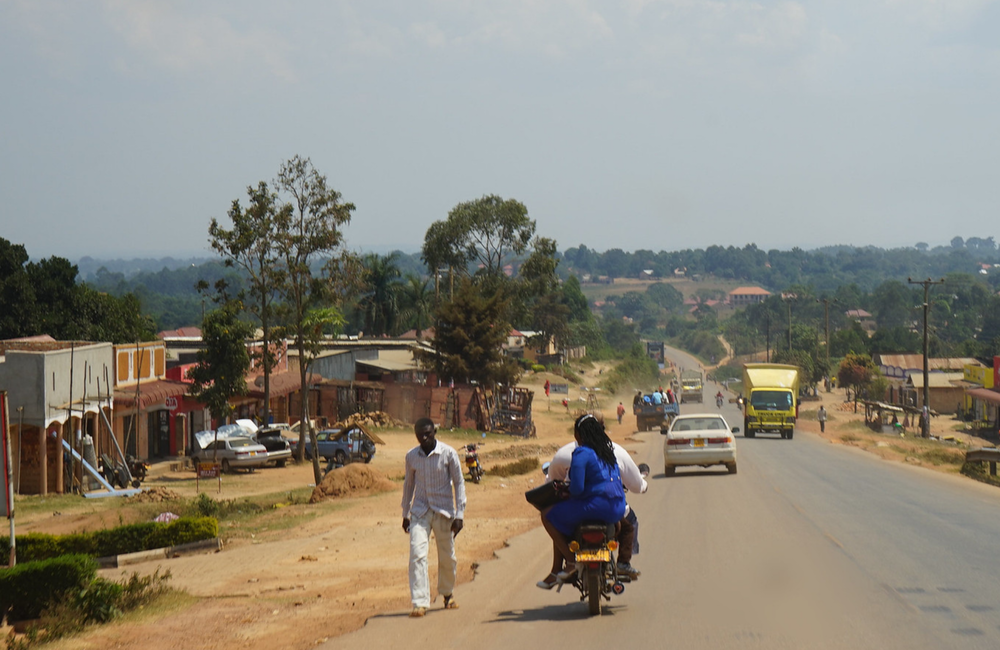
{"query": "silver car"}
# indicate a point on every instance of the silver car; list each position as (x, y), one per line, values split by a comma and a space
(236, 452)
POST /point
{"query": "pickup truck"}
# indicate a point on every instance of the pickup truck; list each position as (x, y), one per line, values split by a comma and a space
(654, 416)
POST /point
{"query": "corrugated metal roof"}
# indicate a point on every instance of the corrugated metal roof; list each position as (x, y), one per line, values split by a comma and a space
(936, 379)
(916, 362)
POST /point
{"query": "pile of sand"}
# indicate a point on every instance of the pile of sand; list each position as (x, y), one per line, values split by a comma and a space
(352, 480)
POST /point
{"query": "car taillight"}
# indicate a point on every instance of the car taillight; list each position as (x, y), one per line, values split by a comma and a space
(593, 538)
(678, 441)
(719, 441)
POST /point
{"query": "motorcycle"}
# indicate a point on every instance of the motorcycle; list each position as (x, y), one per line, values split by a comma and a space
(475, 468)
(138, 469)
(596, 570)
(718, 401)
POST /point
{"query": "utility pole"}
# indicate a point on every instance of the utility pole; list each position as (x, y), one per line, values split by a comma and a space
(768, 330)
(926, 419)
(826, 319)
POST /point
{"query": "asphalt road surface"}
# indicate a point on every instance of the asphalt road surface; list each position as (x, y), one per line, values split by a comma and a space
(809, 545)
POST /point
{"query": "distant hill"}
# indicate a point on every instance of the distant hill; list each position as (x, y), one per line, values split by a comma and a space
(89, 266)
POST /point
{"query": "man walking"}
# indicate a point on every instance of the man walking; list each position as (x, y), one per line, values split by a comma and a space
(821, 416)
(621, 412)
(433, 500)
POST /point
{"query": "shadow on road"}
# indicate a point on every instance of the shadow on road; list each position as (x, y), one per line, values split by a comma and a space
(571, 611)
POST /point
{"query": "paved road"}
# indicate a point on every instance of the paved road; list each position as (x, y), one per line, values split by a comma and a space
(810, 545)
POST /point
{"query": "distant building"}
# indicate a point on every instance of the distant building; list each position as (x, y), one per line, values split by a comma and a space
(744, 296)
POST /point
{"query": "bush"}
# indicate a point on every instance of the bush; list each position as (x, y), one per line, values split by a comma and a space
(537, 367)
(30, 587)
(130, 538)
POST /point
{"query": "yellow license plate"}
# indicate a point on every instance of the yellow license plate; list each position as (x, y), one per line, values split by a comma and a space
(699, 442)
(600, 555)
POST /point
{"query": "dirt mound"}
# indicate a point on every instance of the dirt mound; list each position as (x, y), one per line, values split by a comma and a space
(154, 495)
(516, 452)
(375, 419)
(352, 480)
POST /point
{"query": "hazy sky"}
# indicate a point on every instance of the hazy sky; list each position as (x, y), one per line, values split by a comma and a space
(125, 126)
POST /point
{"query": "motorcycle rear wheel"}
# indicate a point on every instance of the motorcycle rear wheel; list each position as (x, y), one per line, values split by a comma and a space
(594, 592)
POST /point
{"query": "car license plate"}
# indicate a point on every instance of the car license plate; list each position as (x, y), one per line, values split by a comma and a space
(598, 555)
(699, 442)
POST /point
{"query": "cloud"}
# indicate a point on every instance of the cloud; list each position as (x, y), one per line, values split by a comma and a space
(159, 35)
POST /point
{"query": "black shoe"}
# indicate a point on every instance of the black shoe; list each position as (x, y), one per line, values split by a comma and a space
(625, 569)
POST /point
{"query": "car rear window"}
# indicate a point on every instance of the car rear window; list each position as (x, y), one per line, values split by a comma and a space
(699, 424)
(240, 442)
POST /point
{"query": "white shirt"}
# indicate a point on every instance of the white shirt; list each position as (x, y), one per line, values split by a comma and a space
(631, 476)
(434, 482)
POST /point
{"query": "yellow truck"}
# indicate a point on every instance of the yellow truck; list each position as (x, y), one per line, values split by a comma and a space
(691, 386)
(770, 399)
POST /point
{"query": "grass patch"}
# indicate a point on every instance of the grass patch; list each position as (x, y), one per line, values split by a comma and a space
(849, 437)
(516, 468)
(980, 472)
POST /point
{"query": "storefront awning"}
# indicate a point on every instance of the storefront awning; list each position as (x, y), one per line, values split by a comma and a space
(984, 394)
(150, 393)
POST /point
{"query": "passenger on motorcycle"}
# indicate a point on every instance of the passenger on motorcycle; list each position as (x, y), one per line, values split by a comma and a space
(631, 477)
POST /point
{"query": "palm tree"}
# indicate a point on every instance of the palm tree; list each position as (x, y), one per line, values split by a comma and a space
(417, 303)
(380, 299)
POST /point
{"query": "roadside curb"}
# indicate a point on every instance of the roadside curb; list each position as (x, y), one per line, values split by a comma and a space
(115, 561)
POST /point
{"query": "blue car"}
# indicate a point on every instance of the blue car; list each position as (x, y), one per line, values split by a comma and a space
(341, 446)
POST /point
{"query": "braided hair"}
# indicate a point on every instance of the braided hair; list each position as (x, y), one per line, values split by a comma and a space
(590, 433)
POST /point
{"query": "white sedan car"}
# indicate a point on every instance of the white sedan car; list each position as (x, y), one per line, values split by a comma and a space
(699, 439)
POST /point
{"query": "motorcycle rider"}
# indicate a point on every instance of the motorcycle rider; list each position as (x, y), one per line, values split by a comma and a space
(558, 470)
(718, 399)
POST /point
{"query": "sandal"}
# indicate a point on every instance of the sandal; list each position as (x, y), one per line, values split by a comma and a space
(550, 581)
(568, 573)
(450, 602)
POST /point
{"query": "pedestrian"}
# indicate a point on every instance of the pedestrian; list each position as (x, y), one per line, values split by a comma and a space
(821, 416)
(433, 501)
(621, 412)
(637, 400)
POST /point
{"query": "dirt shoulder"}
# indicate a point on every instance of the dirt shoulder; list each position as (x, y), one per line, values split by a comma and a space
(300, 573)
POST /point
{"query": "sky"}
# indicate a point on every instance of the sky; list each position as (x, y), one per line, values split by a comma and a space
(126, 126)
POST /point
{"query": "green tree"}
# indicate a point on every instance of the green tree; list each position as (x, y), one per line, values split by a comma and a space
(487, 231)
(18, 315)
(857, 371)
(311, 229)
(469, 333)
(416, 300)
(380, 301)
(223, 362)
(665, 296)
(579, 308)
(250, 246)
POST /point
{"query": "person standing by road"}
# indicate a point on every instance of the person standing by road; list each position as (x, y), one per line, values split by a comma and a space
(621, 412)
(433, 500)
(821, 416)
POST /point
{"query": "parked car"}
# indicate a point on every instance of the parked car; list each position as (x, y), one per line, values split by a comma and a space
(699, 439)
(341, 446)
(279, 449)
(278, 445)
(233, 452)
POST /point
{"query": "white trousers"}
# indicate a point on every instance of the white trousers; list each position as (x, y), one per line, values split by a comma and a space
(420, 533)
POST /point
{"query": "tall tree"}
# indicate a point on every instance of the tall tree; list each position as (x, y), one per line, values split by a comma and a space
(251, 246)
(380, 300)
(487, 231)
(312, 229)
(220, 373)
(416, 303)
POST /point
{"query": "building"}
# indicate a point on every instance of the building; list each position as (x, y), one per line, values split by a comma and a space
(745, 296)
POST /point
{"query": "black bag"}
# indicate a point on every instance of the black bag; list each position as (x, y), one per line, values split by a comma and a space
(546, 495)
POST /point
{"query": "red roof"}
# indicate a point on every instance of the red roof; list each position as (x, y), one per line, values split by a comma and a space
(181, 332)
(282, 383)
